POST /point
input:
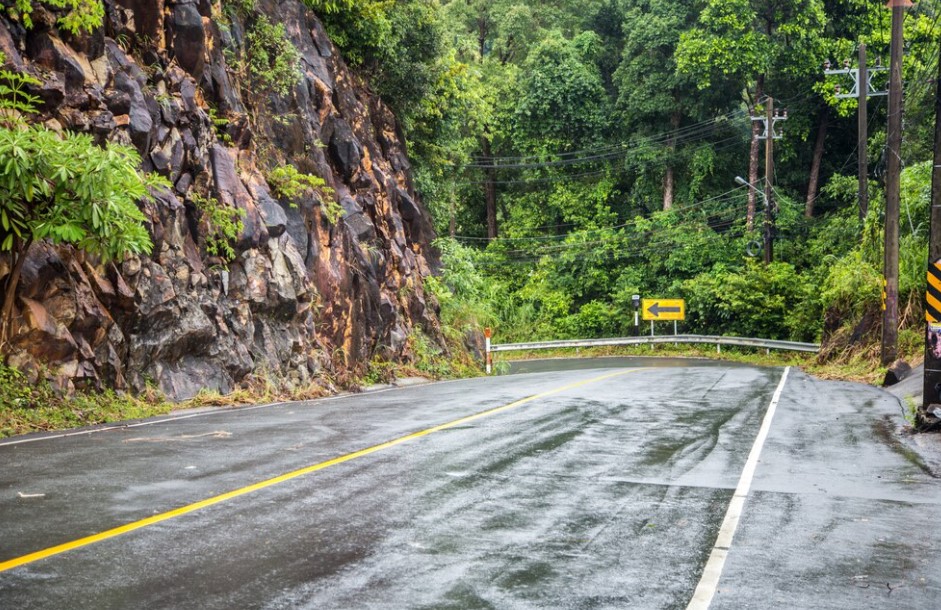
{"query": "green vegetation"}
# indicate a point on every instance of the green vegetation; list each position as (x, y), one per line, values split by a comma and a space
(586, 151)
(223, 225)
(78, 15)
(35, 407)
(289, 183)
(273, 61)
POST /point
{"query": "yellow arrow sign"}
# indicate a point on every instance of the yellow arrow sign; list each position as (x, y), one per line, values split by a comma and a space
(663, 309)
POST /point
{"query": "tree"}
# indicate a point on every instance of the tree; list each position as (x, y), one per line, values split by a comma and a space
(65, 188)
(652, 95)
(749, 41)
(563, 104)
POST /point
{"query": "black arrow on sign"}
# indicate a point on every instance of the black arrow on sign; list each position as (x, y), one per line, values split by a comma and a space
(656, 308)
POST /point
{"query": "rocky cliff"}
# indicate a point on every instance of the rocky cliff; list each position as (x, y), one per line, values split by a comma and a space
(307, 296)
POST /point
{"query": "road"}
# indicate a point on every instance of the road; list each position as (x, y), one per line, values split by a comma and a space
(605, 485)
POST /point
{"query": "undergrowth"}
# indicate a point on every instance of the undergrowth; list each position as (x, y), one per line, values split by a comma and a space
(26, 407)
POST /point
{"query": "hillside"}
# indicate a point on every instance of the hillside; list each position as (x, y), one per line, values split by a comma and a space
(249, 274)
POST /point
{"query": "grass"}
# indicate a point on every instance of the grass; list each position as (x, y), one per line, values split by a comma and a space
(26, 407)
(861, 365)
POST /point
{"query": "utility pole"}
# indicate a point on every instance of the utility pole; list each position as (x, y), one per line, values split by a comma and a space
(890, 318)
(769, 134)
(863, 89)
(862, 117)
(769, 173)
(932, 385)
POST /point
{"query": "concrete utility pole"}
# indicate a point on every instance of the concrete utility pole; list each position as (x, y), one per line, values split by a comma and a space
(932, 386)
(862, 90)
(890, 318)
(769, 173)
(769, 134)
(862, 117)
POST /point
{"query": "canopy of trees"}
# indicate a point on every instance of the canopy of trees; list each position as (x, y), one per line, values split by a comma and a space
(579, 152)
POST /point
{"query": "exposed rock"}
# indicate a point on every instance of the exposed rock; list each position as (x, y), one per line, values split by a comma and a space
(896, 372)
(189, 39)
(304, 296)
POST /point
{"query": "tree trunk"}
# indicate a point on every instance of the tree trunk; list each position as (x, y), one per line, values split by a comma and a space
(753, 156)
(668, 188)
(13, 282)
(669, 176)
(490, 192)
(814, 181)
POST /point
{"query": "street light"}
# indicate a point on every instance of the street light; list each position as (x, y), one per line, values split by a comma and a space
(768, 217)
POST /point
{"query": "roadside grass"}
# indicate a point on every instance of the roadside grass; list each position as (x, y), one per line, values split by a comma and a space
(860, 365)
(36, 407)
(26, 407)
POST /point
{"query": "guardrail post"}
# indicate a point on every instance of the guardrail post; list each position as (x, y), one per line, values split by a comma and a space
(488, 332)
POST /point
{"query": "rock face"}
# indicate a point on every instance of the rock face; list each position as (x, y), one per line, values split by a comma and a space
(304, 297)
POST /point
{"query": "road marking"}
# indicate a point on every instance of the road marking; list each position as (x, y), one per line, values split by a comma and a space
(189, 508)
(203, 413)
(709, 583)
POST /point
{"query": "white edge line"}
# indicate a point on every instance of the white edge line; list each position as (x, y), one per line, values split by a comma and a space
(709, 583)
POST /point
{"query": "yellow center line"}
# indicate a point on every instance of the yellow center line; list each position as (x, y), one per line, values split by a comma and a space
(189, 508)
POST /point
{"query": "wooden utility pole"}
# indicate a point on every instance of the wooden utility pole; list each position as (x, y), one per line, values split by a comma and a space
(769, 173)
(931, 394)
(890, 318)
(862, 91)
(863, 121)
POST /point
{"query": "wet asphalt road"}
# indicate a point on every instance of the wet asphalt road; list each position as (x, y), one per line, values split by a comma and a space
(608, 494)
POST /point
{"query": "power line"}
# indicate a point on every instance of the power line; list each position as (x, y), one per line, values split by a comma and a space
(726, 117)
(723, 197)
(564, 177)
(619, 151)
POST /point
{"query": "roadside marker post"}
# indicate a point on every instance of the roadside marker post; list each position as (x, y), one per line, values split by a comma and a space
(488, 332)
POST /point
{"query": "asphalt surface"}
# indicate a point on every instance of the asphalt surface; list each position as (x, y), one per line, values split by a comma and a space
(606, 494)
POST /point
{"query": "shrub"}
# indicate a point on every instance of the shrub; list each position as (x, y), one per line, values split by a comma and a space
(273, 60)
(224, 224)
(756, 301)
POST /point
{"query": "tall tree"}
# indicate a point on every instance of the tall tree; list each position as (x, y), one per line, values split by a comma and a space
(653, 97)
(751, 42)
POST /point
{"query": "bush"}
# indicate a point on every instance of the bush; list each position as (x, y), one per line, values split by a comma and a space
(223, 225)
(595, 319)
(273, 61)
(756, 301)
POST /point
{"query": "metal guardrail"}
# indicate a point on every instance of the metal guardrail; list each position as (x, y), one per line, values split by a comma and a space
(648, 340)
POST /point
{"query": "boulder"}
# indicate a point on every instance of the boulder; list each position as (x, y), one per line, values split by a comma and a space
(189, 39)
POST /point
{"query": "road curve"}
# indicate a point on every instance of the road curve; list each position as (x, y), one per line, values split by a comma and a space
(601, 487)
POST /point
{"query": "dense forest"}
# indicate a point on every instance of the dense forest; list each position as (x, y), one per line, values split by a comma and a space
(577, 152)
